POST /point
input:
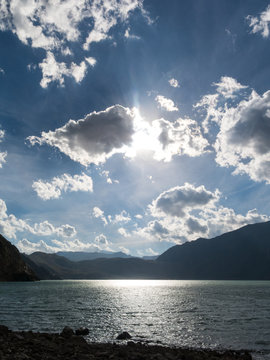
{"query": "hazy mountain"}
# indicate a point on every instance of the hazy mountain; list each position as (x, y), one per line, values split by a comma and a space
(240, 254)
(13, 268)
(80, 255)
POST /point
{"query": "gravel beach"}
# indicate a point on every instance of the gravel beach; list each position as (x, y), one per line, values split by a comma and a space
(15, 345)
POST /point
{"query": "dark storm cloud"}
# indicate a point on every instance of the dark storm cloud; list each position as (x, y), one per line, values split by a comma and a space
(94, 138)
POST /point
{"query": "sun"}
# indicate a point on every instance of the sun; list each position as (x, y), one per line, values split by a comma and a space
(145, 137)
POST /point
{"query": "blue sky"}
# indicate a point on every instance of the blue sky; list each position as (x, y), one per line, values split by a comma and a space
(131, 125)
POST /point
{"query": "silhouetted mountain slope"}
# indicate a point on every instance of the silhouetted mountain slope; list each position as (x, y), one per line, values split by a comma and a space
(102, 268)
(12, 266)
(41, 272)
(81, 256)
(57, 266)
(240, 254)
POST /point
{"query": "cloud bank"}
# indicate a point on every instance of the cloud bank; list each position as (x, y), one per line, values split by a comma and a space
(186, 212)
(10, 225)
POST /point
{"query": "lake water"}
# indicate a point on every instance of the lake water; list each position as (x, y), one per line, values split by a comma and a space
(210, 314)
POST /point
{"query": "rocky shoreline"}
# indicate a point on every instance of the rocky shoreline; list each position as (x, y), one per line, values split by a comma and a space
(26, 345)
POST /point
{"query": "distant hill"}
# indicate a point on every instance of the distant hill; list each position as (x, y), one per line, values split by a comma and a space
(242, 254)
(12, 267)
(80, 255)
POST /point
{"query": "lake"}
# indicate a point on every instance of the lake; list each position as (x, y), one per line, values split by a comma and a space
(210, 314)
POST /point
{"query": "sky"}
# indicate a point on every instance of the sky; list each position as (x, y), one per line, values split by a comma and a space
(132, 125)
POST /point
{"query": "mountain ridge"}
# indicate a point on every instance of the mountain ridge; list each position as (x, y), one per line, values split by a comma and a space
(242, 254)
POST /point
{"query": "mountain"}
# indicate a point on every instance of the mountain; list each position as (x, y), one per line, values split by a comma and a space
(43, 273)
(242, 254)
(13, 267)
(101, 268)
(80, 255)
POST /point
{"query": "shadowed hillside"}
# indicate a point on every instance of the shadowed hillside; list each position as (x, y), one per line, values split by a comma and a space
(12, 267)
(240, 254)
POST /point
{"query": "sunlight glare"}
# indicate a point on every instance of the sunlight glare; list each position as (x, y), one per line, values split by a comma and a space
(145, 137)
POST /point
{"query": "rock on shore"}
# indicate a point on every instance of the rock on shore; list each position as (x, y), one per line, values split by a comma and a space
(34, 346)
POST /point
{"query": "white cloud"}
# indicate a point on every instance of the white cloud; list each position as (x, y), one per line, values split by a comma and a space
(92, 139)
(122, 231)
(107, 16)
(123, 217)
(174, 83)
(108, 179)
(91, 61)
(2, 135)
(29, 247)
(241, 137)
(2, 71)
(3, 156)
(99, 214)
(101, 240)
(243, 140)
(260, 24)
(228, 86)
(124, 250)
(165, 103)
(181, 137)
(209, 103)
(130, 36)
(55, 71)
(64, 183)
(56, 25)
